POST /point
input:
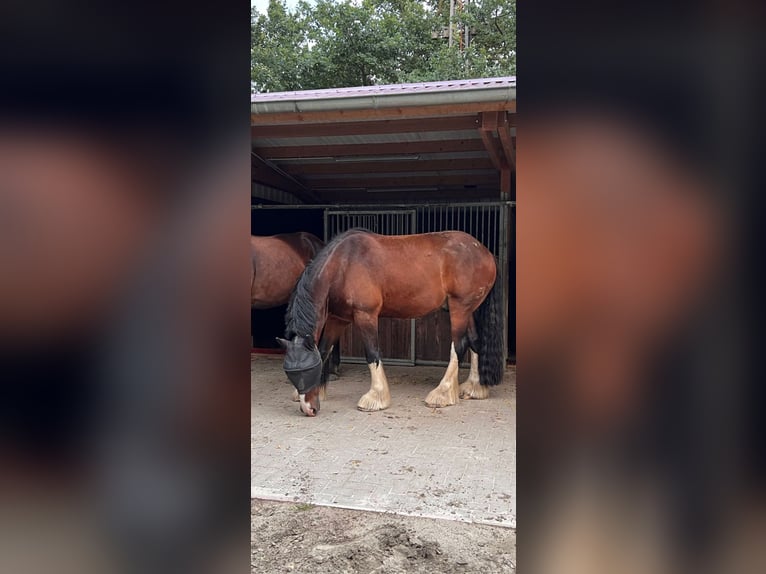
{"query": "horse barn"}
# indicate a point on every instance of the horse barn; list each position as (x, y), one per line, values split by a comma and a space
(395, 159)
(398, 159)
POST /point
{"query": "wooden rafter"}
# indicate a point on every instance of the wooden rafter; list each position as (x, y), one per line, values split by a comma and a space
(399, 148)
(407, 181)
(506, 141)
(309, 169)
(265, 173)
(386, 126)
(505, 183)
(460, 194)
(487, 129)
(381, 113)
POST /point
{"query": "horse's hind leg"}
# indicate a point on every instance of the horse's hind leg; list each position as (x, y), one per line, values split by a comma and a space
(378, 397)
(471, 389)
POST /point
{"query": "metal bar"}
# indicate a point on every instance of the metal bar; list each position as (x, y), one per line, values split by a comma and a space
(503, 216)
(339, 206)
(413, 229)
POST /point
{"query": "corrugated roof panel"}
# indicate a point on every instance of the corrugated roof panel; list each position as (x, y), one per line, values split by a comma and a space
(388, 89)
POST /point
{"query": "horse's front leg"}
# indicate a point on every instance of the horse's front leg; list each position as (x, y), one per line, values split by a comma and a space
(448, 391)
(378, 397)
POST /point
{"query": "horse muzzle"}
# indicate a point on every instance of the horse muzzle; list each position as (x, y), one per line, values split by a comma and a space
(305, 379)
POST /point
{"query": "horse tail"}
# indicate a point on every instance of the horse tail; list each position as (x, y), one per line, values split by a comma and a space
(489, 326)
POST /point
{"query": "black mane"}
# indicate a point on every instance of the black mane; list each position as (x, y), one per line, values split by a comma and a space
(301, 317)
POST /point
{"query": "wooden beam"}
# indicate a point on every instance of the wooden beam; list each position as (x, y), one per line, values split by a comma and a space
(491, 146)
(489, 121)
(505, 183)
(309, 169)
(407, 181)
(385, 126)
(506, 141)
(267, 174)
(381, 113)
(487, 129)
(340, 150)
(409, 196)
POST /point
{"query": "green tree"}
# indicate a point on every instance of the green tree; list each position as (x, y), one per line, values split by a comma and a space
(492, 32)
(374, 42)
(484, 41)
(278, 47)
(341, 43)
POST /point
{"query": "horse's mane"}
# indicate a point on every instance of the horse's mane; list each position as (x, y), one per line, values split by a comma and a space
(301, 316)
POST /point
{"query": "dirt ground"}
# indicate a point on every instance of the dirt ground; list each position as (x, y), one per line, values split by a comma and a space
(307, 539)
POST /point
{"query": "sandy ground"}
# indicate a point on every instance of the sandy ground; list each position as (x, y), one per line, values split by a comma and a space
(302, 538)
(408, 489)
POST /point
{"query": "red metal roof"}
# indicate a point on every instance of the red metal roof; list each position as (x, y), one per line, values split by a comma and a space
(389, 89)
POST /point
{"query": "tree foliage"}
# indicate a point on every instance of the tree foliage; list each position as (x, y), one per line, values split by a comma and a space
(346, 43)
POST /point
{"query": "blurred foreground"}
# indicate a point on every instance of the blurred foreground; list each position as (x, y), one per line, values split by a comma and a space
(640, 446)
(124, 193)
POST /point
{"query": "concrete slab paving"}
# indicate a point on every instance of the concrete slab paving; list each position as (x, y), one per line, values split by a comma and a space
(457, 463)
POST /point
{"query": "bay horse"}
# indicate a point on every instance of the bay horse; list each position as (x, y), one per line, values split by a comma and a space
(360, 276)
(277, 262)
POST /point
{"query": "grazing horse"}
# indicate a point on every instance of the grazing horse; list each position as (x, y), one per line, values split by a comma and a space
(360, 276)
(276, 264)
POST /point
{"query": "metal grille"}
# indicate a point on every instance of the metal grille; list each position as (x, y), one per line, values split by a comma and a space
(486, 222)
(400, 222)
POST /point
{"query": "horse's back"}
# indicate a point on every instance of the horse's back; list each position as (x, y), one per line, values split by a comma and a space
(277, 263)
(409, 275)
(422, 250)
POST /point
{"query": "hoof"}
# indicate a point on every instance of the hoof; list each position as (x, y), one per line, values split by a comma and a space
(441, 397)
(295, 397)
(373, 401)
(334, 376)
(471, 390)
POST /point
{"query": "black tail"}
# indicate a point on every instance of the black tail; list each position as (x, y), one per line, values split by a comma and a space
(489, 326)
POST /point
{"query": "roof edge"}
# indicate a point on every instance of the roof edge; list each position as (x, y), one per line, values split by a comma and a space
(500, 90)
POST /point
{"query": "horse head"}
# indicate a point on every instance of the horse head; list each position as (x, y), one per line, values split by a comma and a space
(303, 366)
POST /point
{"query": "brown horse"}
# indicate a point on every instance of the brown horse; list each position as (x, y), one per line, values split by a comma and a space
(361, 276)
(277, 263)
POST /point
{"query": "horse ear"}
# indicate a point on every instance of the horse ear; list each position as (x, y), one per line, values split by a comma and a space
(282, 342)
